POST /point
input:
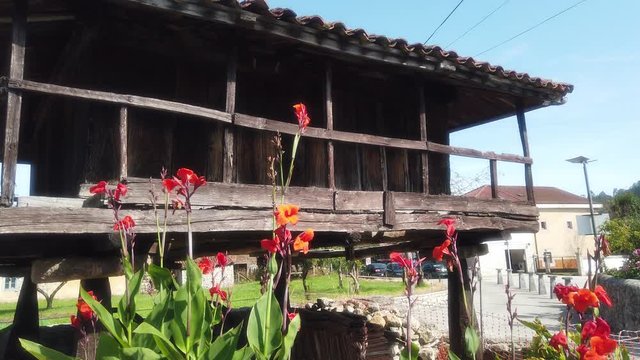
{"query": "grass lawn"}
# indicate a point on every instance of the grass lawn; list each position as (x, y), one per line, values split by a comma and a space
(243, 294)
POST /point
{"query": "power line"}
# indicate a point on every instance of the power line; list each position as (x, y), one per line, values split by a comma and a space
(478, 23)
(531, 28)
(444, 21)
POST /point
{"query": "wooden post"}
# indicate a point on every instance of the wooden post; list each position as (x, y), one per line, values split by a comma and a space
(457, 317)
(423, 136)
(25, 321)
(522, 126)
(389, 218)
(229, 174)
(493, 169)
(14, 103)
(328, 101)
(123, 142)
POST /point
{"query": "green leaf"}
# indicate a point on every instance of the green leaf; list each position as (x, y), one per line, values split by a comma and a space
(243, 354)
(104, 316)
(263, 330)
(224, 346)
(452, 355)
(272, 266)
(415, 349)
(194, 276)
(41, 352)
(108, 348)
(536, 326)
(165, 345)
(178, 326)
(199, 305)
(471, 340)
(161, 277)
(287, 344)
(135, 353)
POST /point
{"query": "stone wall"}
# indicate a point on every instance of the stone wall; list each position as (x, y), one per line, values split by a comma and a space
(625, 294)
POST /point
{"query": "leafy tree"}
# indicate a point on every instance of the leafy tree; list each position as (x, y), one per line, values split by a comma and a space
(623, 230)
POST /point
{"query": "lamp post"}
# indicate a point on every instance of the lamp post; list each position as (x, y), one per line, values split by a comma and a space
(583, 160)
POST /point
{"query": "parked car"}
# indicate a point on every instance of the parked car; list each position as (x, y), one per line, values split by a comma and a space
(394, 270)
(432, 269)
(375, 269)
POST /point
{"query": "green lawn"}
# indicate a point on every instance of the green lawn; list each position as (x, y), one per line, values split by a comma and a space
(243, 294)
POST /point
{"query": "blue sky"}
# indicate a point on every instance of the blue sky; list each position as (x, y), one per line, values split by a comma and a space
(595, 46)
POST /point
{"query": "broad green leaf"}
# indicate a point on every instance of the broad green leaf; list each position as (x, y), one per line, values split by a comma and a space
(155, 318)
(536, 326)
(199, 305)
(161, 277)
(415, 349)
(165, 345)
(284, 352)
(178, 326)
(452, 355)
(135, 353)
(243, 354)
(471, 340)
(108, 348)
(41, 352)
(194, 276)
(225, 345)
(206, 331)
(104, 316)
(263, 330)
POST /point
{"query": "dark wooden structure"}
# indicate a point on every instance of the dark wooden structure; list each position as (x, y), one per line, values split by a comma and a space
(117, 89)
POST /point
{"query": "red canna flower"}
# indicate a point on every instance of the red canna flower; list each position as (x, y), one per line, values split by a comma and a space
(84, 310)
(292, 315)
(602, 295)
(286, 213)
(450, 224)
(603, 345)
(75, 322)
(562, 292)
(599, 328)
(302, 115)
(271, 245)
(199, 181)
(400, 260)
(186, 176)
(121, 190)
(99, 188)
(222, 259)
(206, 265)
(588, 354)
(582, 300)
(217, 291)
(558, 340)
(169, 184)
(125, 224)
(440, 251)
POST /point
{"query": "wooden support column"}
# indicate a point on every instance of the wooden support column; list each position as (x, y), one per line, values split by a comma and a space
(101, 289)
(14, 103)
(424, 156)
(493, 170)
(522, 126)
(457, 316)
(123, 166)
(328, 101)
(25, 321)
(229, 173)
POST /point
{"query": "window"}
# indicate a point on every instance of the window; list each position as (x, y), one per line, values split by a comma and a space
(569, 225)
(543, 225)
(9, 283)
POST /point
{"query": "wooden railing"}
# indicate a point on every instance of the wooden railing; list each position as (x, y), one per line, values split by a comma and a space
(243, 120)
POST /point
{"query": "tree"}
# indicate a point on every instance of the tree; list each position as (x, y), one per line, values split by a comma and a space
(623, 230)
(49, 296)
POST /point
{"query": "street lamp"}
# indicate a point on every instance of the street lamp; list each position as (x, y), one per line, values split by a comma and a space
(583, 160)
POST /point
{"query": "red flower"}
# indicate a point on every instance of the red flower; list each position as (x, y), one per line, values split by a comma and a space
(217, 291)
(303, 118)
(603, 345)
(271, 245)
(99, 188)
(170, 184)
(604, 245)
(286, 213)
(292, 315)
(222, 259)
(301, 242)
(400, 260)
(75, 322)
(186, 176)
(559, 340)
(562, 292)
(125, 224)
(440, 251)
(121, 190)
(602, 295)
(599, 328)
(84, 310)
(450, 224)
(583, 299)
(206, 265)
(588, 354)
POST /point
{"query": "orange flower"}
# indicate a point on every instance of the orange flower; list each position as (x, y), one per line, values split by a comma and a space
(602, 295)
(286, 213)
(303, 118)
(583, 299)
(301, 242)
(440, 251)
(603, 345)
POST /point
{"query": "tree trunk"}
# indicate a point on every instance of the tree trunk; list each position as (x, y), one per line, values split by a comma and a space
(49, 297)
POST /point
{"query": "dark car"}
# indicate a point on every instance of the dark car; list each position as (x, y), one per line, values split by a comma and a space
(395, 270)
(433, 269)
(375, 269)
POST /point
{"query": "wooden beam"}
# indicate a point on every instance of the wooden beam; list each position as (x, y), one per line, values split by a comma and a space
(14, 103)
(229, 171)
(121, 99)
(489, 155)
(123, 143)
(328, 101)
(493, 169)
(424, 157)
(528, 176)
(75, 268)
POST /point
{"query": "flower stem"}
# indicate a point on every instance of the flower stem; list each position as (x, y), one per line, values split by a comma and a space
(189, 234)
(296, 140)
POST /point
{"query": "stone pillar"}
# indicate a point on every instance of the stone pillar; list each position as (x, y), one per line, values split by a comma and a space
(552, 284)
(500, 281)
(541, 288)
(567, 280)
(532, 282)
(521, 279)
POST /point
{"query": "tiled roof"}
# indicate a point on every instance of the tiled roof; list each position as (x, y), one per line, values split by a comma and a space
(542, 194)
(260, 7)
